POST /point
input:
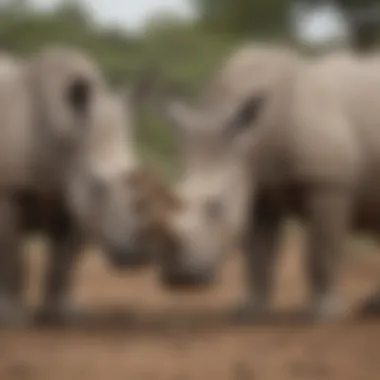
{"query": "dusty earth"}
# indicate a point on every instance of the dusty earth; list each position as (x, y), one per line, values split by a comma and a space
(139, 331)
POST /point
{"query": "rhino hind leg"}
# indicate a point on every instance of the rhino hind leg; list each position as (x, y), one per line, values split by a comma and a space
(328, 217)
(65, 251)
(12, 270)
(260, 253)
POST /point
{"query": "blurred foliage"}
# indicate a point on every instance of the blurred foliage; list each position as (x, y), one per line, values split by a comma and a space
(244, 17)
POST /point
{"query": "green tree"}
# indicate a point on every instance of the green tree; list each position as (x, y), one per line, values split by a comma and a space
(15, 6)
(244, 17)
(73, 11)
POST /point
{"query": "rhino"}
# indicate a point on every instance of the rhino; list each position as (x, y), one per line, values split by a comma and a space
(274, 135)
(67, 162)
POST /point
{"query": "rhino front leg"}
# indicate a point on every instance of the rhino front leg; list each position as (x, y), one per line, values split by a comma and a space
(371, 305)
(328, 221)
(64, 255)
(260, 252)
(12, 270)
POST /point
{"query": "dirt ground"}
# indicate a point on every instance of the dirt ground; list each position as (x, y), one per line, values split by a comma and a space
(140, 331)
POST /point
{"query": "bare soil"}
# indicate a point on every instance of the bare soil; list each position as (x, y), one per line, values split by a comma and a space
(140, 331)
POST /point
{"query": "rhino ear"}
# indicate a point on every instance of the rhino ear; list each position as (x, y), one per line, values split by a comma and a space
(78, 96)
(246, 115)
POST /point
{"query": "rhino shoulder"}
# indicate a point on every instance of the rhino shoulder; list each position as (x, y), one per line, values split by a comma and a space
(322, 139)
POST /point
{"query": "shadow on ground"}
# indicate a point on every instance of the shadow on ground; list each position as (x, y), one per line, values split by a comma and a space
(195, 320)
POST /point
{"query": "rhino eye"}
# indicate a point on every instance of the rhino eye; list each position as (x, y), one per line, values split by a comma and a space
(213, 209)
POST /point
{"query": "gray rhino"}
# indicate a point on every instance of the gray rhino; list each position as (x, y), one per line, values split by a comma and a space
(67, 162)
(276, 135)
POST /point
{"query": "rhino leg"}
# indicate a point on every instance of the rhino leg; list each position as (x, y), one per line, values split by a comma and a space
(328, 217)
(12, 271)
(371, 305)
(64, 255)
(260, 251)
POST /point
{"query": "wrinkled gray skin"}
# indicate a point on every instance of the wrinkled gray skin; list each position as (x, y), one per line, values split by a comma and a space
(273, 136)
(66, 155)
